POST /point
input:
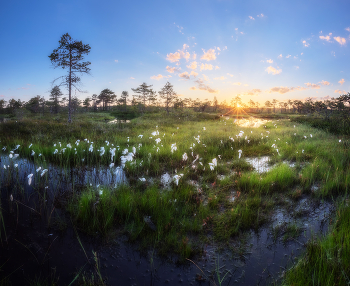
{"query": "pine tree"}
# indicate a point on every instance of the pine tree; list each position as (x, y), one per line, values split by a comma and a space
(69, 55)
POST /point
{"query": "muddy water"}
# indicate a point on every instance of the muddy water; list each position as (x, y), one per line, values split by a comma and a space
(32, 249)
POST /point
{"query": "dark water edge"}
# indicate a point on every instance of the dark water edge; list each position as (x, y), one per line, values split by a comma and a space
(32, 249)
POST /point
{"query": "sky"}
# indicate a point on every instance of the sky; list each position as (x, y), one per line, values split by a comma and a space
(260, 50)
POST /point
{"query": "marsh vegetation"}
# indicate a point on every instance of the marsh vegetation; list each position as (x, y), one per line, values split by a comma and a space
(172, 185)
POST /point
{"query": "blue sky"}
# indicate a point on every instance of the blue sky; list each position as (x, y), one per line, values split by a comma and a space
(261, 50)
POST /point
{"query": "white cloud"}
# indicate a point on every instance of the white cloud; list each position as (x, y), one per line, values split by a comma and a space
(131, 77)
(216, 67)
(225, 48)
(194, 56)
(158, 77)
(286, 89)
(206, 67)
(193, 88)
(209, 55)
(306, 44)
(231, 75)
(288, 56)
(202, 86)
(280, 56)
(272, 70)
(180, 54)
(312, 85)
(324, 82)
(340, 40)
(192, 66)
(296, 67)
(205, 77)
(116, 61)
(269, 61)
(341, 81)
(348, 29)
(261, 15)
(172, 69)
(326, 38)
(251, 18)
(237, 83)
(184, 75)
(193, 73)
(340, 91)
(173, 57)
(301, 54)
(252, 92)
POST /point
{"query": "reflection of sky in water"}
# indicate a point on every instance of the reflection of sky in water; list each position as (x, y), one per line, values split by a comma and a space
(260, 164)
(57, 178)
(251, 122)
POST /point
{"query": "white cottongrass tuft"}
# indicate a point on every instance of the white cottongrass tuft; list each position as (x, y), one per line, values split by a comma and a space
(37, 170)
(176, 179)
(30, 179)
(43, 172)
(184, 157)
(240, 153)
(173, 147)
(111, 165)
(158, 140)
(112, 151)
(213, 164)
(33, 153)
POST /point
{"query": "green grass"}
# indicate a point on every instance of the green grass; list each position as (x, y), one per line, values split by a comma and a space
(222, 202)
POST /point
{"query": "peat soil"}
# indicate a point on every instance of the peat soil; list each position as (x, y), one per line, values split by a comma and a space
(30, 249)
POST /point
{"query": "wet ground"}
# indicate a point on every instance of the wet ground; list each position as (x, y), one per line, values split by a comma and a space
(30, 248)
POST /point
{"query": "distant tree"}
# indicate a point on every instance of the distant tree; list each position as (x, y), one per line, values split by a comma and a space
(152, 97)
(76, 102)
(142, 93)
(268, 104)
(215, 104)
(106, 97)
(285, 104)
(86, 103)
(69, 55)
(251, 103)
(123, 99)
(168, 94)
(257, 104)
(94, 99)
(206, 103)
(34, 104)
(2, 105)
(236, 102)
(281, 104)
(274, 103)
(54, 100)
(290, 103)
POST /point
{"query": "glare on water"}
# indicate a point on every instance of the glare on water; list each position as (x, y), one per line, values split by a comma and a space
(251, 122)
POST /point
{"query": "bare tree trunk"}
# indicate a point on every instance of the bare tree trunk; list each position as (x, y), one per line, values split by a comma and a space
(70, 86)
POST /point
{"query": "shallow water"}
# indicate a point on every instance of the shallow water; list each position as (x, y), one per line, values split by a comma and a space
(32, 248)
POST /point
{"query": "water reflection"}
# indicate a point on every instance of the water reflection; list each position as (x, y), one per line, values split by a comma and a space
(57, 178)
(250, 122)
